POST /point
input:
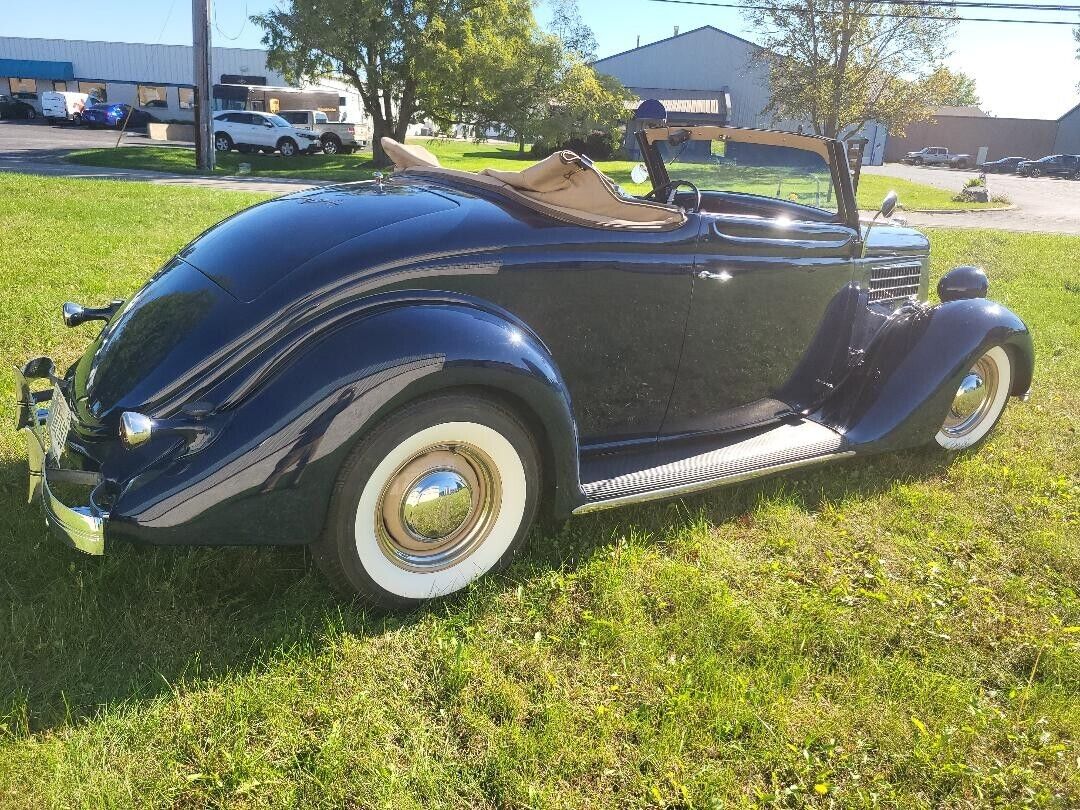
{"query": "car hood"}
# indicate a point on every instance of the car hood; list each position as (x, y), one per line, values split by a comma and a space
(193, 320)
(892, 239)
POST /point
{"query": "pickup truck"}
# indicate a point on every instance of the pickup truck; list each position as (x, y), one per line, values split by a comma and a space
(938, 156)
(335, 137)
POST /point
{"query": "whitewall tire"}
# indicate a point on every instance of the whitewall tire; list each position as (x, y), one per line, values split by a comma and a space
(434, 497)
(979, 401)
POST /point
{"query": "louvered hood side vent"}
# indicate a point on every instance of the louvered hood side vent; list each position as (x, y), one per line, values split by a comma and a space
(894, 282)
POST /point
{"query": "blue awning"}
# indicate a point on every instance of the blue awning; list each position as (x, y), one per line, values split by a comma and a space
(36, 69)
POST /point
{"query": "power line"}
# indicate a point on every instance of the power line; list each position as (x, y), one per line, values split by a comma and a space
(242, 27)
(752, 7)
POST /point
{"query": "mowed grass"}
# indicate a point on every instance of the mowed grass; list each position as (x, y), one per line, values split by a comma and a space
(466, 156)
(895, 632)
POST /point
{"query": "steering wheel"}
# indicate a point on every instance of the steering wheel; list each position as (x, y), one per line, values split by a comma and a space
(666, 193)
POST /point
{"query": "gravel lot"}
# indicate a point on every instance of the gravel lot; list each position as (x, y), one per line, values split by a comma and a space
(1046, 204)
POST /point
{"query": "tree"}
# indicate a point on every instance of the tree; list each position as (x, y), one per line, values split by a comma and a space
(397, 53)
(840, 63)
(571, 30)
(958, 89)
(1076, 36)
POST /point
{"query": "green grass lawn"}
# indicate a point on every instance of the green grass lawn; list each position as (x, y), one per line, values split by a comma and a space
(457, 155)
(895, 632)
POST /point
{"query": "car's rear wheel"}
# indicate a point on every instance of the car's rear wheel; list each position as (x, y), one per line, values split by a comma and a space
(222, 142)
(288, 147)
(979, 402)
(918, 161)
(1034, 172)
(331, 146)
(438, 494)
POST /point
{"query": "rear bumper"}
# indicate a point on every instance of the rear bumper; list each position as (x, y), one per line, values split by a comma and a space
(81, 527)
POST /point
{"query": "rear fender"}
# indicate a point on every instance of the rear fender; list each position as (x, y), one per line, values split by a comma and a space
(268, 477)
(911, 372)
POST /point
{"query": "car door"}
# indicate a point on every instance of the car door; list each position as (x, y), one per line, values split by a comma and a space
(772, 285)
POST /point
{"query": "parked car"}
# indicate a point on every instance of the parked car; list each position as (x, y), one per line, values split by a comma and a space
(114, 115)
(335, 137)
(61, 107)
(938, 156)
(254, 131)
(403, 373)
(30, 98)
(15, 108)
(1051, 166)
(1005, 165)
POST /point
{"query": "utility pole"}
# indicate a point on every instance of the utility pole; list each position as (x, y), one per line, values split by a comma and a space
(204, 129)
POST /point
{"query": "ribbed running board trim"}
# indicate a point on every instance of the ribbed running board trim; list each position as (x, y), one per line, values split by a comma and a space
(783, 448)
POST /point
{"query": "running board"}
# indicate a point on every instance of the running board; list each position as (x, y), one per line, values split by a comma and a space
(783, 447)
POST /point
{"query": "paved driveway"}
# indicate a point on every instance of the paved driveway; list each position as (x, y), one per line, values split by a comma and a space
(1042, 204)
(37, 148)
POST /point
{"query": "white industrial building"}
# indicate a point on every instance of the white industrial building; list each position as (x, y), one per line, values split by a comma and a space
(154, 78)
(708, 76)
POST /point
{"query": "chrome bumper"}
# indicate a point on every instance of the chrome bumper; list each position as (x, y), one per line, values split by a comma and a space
(82, 527)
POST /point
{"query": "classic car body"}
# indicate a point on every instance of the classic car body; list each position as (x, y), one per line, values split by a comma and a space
(626, 350)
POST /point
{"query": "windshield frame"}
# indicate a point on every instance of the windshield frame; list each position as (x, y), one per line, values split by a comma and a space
(830, 150)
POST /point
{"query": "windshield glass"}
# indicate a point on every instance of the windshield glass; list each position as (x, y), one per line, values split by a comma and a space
(278, 121)
(763, 170)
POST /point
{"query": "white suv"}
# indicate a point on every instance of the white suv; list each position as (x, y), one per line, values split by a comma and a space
(252, 131)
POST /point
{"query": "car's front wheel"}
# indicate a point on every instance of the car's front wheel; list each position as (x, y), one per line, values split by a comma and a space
(288, 147)
(1034, 172)
(438, 494)
(979, 402)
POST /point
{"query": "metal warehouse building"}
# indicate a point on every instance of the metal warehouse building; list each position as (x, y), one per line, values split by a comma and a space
(708, 76)
(155, 78)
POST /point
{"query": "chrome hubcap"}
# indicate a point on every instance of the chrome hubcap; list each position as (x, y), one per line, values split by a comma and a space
(438, 507)
(973, 399)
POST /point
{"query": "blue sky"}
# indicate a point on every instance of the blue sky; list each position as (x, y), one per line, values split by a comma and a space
(1020, 70)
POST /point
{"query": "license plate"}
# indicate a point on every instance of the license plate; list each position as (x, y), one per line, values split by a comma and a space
(58, 424)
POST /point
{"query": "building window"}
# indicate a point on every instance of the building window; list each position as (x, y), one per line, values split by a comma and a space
(23, 85)
(187, 98)
(95, 89)
(152, 95)
(59, 87)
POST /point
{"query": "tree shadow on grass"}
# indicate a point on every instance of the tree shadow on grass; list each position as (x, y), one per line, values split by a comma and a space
(79, 633)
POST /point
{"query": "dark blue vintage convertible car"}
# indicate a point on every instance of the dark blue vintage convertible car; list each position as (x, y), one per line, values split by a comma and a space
(403, 373)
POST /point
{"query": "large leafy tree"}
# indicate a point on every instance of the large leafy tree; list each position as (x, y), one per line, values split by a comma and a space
(840, 63)
(957, 89)
(567, 25)
(399, 54)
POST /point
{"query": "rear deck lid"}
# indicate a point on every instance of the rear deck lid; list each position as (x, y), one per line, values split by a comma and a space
(256, 248)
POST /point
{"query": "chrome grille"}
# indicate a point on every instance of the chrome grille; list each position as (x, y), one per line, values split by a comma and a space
(894, 282)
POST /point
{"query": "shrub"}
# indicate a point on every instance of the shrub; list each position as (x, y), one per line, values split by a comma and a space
(595, 145)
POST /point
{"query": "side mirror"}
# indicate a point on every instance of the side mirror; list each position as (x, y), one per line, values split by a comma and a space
(888, 205)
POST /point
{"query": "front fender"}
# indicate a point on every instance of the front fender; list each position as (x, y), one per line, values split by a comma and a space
(268, 477)
(911, 372)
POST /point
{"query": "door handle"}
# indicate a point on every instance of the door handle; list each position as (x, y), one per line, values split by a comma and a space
(708, 275)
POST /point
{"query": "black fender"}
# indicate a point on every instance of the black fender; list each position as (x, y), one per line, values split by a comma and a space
(267, 476)
(900, 395)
